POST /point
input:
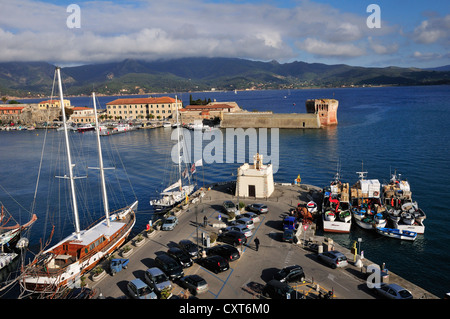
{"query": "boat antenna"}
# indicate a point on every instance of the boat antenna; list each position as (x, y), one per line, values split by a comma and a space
(362, 174)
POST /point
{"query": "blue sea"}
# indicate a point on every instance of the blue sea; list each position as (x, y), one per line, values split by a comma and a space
(380, 130)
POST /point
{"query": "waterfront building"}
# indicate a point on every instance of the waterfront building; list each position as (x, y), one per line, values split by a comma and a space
(255, 180)
(143, 108)
(212, 110)
(53, 104)
(82, 115)
(326, 109)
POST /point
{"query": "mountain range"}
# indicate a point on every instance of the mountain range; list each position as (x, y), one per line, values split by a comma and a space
(198, 74)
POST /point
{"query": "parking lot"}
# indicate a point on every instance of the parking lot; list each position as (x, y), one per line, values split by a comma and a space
(246, 276)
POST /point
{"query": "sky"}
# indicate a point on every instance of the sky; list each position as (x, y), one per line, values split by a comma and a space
(374, 33)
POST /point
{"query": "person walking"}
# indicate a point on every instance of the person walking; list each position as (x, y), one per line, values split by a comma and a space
(256, 241)
(205, 221)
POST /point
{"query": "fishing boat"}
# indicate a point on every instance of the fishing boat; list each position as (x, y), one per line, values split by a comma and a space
(336, 215)
(397, 233)
(367, 208)
(176, 192)
(167, 124)
(63, 264)
(403, 213)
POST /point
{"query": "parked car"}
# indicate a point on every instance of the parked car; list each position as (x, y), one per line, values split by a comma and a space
(290, 222)
(232, 237)
(229, 206)
(253, 216)
(393, 291)
(181, 256)
(290, 274)
(258, 208)
(245, 221)
(334, 258)
(276, 289)
(239, 228)
(226, 251)
(194, 283)
(189, 247)
(170, 223)
(214, 263)
(170, 266)
(157, 279)
(289, 236)
(139, 290)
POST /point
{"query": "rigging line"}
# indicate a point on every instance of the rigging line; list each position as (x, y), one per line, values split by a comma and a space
(7, 193)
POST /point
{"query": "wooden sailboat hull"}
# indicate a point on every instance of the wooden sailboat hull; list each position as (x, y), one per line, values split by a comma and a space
(44, 275)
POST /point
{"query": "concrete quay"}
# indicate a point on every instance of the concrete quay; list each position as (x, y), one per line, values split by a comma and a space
(248, 274)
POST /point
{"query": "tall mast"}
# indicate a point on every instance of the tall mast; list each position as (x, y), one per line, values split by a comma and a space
(69, 158)
(179, 155)
(100, 161)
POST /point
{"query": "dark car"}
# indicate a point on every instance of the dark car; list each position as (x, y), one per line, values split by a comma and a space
(226, 251)
(278, 290)
(290, 274)
(181, 256)
(214, 263)
(232, 237)
(189, 247)
(170, 266)
(194, 283)
(289, 236)
(258, 208)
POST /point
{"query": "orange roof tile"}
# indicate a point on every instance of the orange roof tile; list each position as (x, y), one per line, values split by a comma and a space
(143, 100)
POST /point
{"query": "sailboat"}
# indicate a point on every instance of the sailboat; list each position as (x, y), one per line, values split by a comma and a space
(10, 239)
(63, 264)
(176, 192)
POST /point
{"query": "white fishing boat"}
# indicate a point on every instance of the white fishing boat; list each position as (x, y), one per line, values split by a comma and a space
(178, 191)
(367, 209)
(86, 127)
(403, 213)
(336, 215)
(397, 233)
(63, 264)
(167, 124)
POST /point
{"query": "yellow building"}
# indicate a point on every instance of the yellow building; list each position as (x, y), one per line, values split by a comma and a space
(143, 108)
(53, 103)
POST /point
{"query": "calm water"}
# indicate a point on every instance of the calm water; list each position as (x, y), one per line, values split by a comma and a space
(404, 128)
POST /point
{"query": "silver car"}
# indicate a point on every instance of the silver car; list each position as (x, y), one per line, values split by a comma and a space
(334, 258)
(393, 291)
(170, 223)
(157, 279)
(195, 284)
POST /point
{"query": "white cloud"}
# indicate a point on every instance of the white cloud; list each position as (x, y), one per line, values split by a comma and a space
(147, 29)
(382, 49)
(329, 49)
(433, 30)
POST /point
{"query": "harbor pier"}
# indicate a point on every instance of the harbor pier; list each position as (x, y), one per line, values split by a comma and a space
(254, 268)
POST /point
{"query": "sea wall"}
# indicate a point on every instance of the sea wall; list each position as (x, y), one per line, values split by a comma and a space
(269, 120)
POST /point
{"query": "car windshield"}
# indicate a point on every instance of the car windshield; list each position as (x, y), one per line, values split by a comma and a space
(160, 278)
(144, 291)
(170, 221)
(404, 293)
(228, 204)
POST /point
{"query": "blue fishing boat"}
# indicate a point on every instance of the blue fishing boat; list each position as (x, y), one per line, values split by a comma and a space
(397, 233)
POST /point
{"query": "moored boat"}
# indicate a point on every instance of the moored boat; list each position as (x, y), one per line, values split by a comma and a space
(367, 209)
(86, 127)
(336, 216)
(63, 264)
(397, 233)
(403, 213)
